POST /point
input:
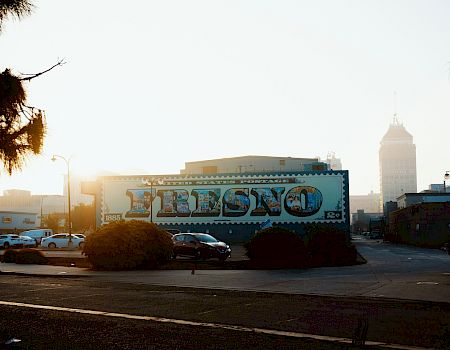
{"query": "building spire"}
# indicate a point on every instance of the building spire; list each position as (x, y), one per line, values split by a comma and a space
(395, 119)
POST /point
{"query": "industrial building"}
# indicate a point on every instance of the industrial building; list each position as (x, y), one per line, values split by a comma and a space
(231, 205)
(253, 164)
(424, 224)
(15, 222)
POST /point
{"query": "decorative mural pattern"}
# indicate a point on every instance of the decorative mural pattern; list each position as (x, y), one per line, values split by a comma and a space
(303, 201)
(221, 199)
(236, 202)
(268, 201)
(207, 202)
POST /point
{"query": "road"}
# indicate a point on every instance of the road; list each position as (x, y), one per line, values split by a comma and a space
(402, 292)
(216, 315)
(391, 271)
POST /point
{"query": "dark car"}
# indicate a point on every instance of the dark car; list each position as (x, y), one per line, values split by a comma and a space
(173, 231)
(200, 246)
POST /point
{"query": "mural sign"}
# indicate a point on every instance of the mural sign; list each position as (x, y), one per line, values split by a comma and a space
(180, 199)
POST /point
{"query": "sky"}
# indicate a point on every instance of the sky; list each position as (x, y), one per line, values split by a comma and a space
(150, 85)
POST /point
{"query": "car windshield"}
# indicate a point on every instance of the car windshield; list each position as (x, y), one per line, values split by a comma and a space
(206, 238)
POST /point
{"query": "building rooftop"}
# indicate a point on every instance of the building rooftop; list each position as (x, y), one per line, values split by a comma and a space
(253, 157)
(397, 132)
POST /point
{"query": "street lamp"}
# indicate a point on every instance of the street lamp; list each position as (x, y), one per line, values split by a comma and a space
(446, 177)
(68, 192)
(42, 201)
(151, 183)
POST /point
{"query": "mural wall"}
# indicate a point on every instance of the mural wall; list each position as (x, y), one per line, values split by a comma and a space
(286, 198)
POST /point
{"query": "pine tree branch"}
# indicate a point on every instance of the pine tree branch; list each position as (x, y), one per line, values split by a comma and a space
(32, 76)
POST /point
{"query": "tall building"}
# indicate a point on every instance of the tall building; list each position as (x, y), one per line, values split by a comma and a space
(397, 157)
(333, 162)
(370, 203)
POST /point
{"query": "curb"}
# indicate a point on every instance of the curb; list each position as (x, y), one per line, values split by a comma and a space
(27, 274)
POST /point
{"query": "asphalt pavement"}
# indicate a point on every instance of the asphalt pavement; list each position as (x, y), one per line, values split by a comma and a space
(391, 271)
(88, 313)
(403, 293)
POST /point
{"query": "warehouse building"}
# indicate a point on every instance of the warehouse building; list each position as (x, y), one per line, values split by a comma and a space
(15, 222)
(231, 206)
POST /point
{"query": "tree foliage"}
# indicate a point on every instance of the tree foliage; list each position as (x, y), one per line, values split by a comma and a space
(329, 246)
(22, 128)
(83, 218)
(322, 245)
(52, 221)
(276, 247)
(14, 8)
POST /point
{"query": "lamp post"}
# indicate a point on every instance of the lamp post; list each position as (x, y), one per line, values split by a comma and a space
(446, 177)
(151, 183)
(42, 201)
(68, 192)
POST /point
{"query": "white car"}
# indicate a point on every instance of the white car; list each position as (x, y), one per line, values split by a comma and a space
(61, 240)
(10, 240)
(27, 241)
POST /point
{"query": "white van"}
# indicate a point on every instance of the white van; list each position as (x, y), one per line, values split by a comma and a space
(38, 234)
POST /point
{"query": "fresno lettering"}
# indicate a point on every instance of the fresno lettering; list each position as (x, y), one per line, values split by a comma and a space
(300, 201)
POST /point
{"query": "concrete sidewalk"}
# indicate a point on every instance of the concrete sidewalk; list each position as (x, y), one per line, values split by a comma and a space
(42, 270)
(342, 281)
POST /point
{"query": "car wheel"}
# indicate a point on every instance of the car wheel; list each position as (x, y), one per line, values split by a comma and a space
(174, 256)
(6, 245)
(81, 245)
(52, 245)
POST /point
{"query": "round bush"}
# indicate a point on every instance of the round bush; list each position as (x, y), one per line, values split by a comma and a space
(329, 246)
(127, 245)
(24, 256)
(30, 256)
(277, 247)
(9, 256)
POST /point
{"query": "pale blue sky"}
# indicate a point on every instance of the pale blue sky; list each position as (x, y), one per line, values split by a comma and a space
(149, 85)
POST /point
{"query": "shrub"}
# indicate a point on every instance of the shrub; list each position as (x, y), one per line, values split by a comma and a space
(30, 256)
(24, 256)
(276, 247)
(127, 245)
(9, 256)
(329, 246)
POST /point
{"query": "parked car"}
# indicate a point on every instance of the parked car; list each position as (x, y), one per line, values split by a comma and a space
(80, 235)
(28, 242)
(10, 240)
(37, 234)
(173, 231)
(61, 240)
(200, 246)
(375, 235)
